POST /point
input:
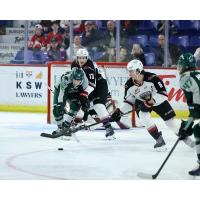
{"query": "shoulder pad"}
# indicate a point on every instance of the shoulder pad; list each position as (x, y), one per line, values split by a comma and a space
(185, 81)
(148, 76)
(184, 77)
(129, 83)
(74, 64)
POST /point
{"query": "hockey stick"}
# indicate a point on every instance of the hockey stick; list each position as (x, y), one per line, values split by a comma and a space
(72, 131)
(154, 176)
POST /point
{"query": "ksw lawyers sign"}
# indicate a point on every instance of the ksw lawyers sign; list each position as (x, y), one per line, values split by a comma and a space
(23, 85)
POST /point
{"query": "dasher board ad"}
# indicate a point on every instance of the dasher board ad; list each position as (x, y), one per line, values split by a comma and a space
(117, 77)
(23, 85)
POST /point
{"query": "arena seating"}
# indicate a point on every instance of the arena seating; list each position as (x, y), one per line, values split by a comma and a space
(187, 39)
(150, 59)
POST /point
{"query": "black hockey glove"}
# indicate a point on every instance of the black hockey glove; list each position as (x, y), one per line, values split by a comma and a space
(144, 108)
(194, 111)
(116, 116)
(85, 116)
(80, 88)
(185, 133)
(85, 103)
(58, 110)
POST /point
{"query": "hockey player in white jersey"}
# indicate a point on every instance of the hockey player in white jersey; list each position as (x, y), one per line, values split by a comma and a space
(147, 92)
(190, 84)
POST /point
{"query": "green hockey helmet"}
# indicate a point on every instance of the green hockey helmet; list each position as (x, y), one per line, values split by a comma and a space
(186, 62)
(77, 74)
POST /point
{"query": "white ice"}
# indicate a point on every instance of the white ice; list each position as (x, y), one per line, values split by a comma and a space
(25, 155)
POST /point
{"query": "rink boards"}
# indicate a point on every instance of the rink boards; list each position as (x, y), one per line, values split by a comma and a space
(24, 88)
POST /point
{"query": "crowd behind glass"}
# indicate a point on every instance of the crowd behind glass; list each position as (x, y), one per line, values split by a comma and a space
(38, 42)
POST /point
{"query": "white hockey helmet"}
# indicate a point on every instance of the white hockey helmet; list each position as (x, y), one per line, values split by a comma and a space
(135, 65)
(82, 53)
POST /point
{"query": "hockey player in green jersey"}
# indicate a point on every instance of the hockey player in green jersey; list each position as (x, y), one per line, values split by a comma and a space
(190, 84)
(71, 89)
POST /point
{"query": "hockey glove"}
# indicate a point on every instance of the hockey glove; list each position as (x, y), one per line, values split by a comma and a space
(185, 133)
(85, 103)
(85, 116)
(144, 108)
(194, 111)
(58, 110)
(80, 88)
(116, 116)
(89, 112)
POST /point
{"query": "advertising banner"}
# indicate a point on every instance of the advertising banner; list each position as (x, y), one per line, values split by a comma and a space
(23, 85)
(117, 77)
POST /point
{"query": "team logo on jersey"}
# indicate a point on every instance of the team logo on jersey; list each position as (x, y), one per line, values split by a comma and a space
(137, 91)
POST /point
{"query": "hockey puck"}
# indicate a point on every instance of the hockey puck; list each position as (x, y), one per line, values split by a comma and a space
(60, 149)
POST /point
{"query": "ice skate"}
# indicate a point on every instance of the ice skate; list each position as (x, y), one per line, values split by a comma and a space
(195, 171)
(57, 131)
(65, 131)
(160, 144)
(110, 134)
(188, 141)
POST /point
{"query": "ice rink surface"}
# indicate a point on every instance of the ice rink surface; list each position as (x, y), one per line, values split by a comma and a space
(24, 155)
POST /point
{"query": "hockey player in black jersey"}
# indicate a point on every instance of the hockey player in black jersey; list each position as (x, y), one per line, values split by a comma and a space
(97, 90)
(147, 92)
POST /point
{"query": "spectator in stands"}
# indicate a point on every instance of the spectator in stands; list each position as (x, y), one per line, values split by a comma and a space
(161, 27)
(109, 55)
(197, 56)
(64, 24)
(38, 40)
(130, 26)
(66, 39)
(2, 30)
(75, 46)
(173, 54)
(79, 26)
(109, 38)
(55, 52)
(54, 34)
(90, 37)
(46, 24)
(110, 35)
(123, 55)
(64, 30)
(137, 53)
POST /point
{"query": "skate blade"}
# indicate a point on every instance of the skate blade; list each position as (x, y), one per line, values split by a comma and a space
(161, 149)
(190, 143)
(112, 137)
(65, 138)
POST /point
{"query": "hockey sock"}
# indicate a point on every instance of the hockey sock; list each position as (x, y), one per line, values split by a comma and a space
(106, 123)
(173, 125)
(153, 131)
(197, 138)
(149, 124)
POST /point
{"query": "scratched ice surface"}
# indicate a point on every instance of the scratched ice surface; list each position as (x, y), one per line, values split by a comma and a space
(25, 155)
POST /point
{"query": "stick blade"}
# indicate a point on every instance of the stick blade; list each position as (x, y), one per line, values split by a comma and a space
(145, 176)
(47, 135)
